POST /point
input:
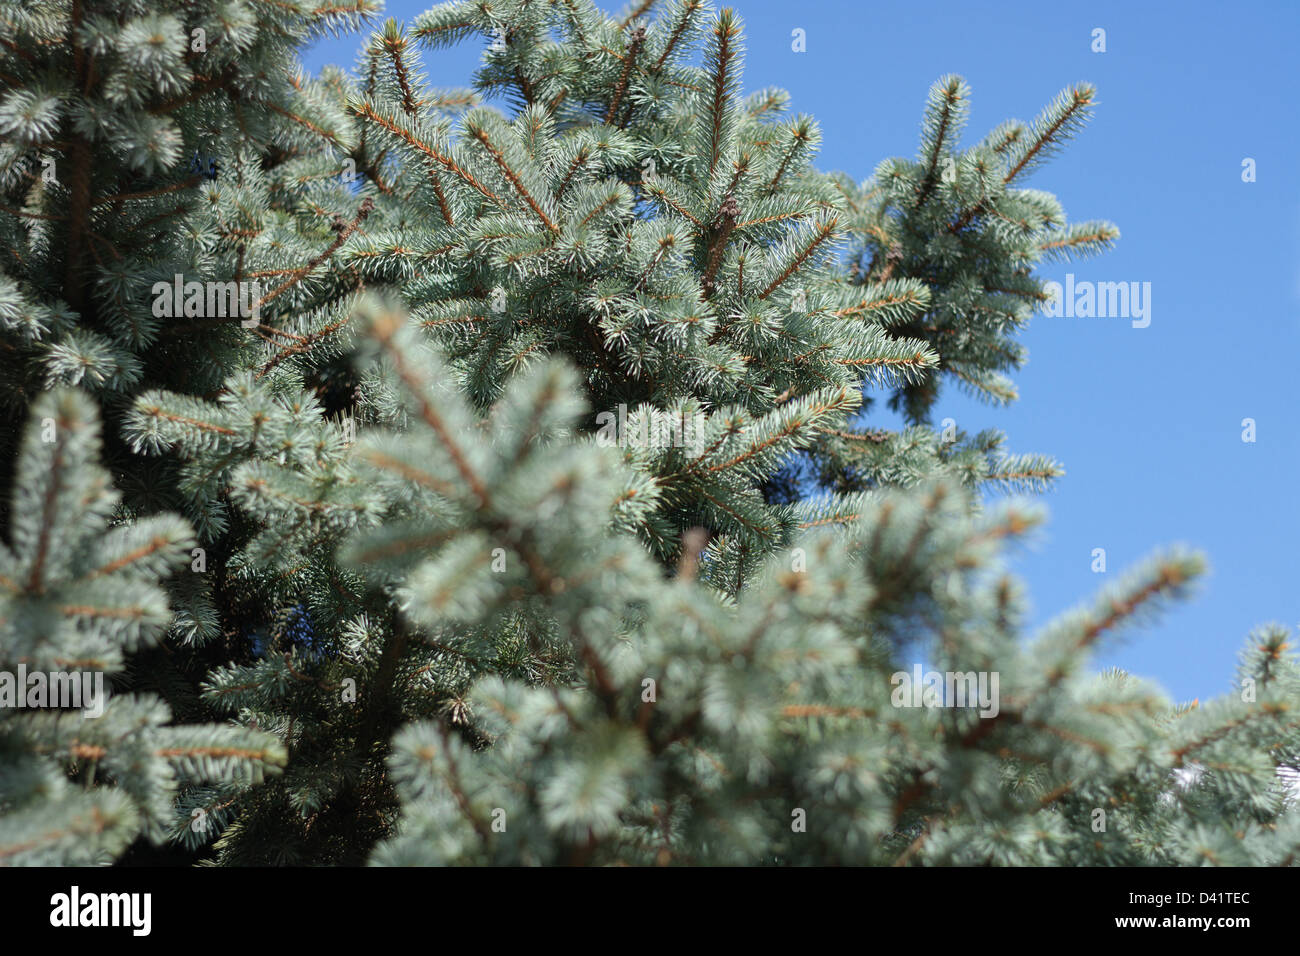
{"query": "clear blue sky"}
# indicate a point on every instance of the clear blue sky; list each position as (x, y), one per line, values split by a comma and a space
(1146, 421)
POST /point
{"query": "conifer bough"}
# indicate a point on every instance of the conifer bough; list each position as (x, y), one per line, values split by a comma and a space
(373, 583)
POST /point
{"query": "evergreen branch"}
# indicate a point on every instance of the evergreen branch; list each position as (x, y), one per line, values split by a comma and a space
(421, 544)
(305, 345)
(875, 437)
(394, 43)
(1081, 98)
(240, 753)
(385, 328)
(726, 30)
(832, 519)
(304, 123)
(747, 523)
(156, 544)
(667, 242)
(1025, 474)
(367, 111)
(480, 134)
(612, 197)
(722, 229)
(398, 467)
(134, 613)
(1069, 114)
(870, 305)
(579, 159)
(32, 215)
(638, 38)
(363, 7)
(443, 208)
(189, 183)
(1083, 238)
(799, 137)
(994, 389)
(97, 825)
(636, 14)
(207, 85)
(950, 97)
(824, 231)
(1101, 235)
(789, 429)
(364, 210)
(458, 791)
(154, 411)
(777, 217)
(430, 32)
(690, 8)
(1266, 709)
(820, 710)
(660, 193)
